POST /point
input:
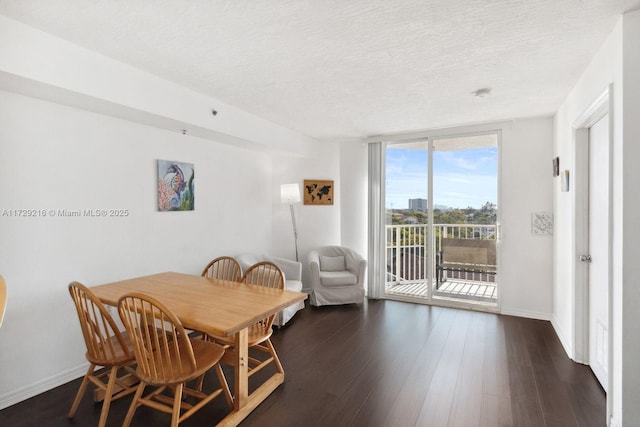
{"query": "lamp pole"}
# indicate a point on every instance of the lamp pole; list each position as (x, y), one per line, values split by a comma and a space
(295, 229)
(290, 194)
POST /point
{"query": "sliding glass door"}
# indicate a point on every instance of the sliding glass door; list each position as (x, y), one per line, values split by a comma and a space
(441, 210)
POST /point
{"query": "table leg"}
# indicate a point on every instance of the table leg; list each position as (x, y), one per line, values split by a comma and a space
(243, 402)
(241, 383)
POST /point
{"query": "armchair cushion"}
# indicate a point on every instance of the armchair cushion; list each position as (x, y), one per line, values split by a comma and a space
(337, 278)
(332, 263)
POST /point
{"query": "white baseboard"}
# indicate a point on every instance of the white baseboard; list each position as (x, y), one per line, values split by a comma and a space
(525, 313)
(46, 384)
(568, 348)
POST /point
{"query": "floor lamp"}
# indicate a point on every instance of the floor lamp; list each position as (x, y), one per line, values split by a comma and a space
(290, 194)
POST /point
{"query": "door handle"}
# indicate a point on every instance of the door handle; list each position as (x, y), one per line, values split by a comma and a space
(585, 258)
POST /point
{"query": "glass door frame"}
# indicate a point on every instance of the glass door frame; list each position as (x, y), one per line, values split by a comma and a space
(429, 139)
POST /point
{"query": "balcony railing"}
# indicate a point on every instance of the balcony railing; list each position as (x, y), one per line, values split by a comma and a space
(407, 249)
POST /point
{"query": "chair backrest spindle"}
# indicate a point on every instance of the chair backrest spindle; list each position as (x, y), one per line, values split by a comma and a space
(224, 268)
(98, 327)
(161, 344)
(265, 274)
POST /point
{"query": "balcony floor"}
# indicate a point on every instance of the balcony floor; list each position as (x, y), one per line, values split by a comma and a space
(452, 288)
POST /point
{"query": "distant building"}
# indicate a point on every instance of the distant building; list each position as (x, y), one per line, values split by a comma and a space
(418, 205)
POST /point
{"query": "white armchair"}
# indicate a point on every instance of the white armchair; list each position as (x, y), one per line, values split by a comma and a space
(337, 276)
(292, 280)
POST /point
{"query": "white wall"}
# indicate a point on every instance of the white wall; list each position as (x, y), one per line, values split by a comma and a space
(617, 62)
(354, 195)
(626, 332)
(526, 182)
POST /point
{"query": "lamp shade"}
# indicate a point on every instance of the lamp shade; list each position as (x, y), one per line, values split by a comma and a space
(290, 193)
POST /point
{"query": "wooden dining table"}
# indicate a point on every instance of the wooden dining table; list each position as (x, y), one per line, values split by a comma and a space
(215, 307)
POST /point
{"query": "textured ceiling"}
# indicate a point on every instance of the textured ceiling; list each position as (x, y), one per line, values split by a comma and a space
(334, 69)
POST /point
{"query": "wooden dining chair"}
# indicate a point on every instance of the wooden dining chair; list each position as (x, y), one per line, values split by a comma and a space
(224, 268)
(167, 359)
(106, 346)
(262, 274)
(3, 298)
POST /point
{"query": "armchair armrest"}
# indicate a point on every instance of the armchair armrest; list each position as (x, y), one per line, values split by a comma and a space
(356, 264)
(362, 267)
(292, 269)
(314, 265)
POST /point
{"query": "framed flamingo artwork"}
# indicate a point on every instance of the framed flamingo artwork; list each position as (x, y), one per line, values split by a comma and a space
(175, 186)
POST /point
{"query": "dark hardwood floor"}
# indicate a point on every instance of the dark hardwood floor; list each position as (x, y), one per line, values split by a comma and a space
(389, 363)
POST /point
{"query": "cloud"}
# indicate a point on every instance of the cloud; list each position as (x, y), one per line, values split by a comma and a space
(465, 164)
(461, 178)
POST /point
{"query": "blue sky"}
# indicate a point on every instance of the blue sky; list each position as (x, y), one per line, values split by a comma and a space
(461, 178)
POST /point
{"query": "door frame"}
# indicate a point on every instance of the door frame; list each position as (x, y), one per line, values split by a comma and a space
(600, 107)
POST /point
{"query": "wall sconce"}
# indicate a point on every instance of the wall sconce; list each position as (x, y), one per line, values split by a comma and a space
(290, 194)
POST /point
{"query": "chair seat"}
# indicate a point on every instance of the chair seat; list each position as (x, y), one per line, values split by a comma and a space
(206, 355)
(121, 356)
(337, 278)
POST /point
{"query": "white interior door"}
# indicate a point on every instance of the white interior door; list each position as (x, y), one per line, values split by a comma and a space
(599, 248)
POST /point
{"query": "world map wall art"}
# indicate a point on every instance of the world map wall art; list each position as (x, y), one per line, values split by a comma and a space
(318, 192)
(175, 186)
